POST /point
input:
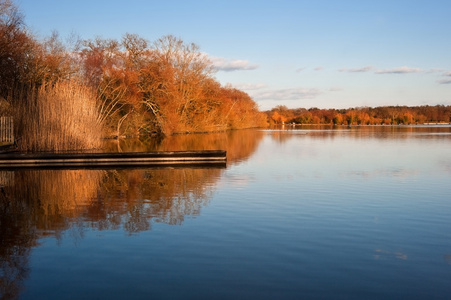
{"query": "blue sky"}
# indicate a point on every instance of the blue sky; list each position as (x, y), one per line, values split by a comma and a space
(321, 53)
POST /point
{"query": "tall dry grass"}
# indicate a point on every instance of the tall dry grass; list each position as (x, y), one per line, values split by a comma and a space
(58, 117)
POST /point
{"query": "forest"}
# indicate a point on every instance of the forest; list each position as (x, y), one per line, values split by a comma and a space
(69, 94)
(384, 115)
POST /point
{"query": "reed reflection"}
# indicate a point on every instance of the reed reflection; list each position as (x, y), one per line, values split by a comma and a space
(36, 204)
(41, 203)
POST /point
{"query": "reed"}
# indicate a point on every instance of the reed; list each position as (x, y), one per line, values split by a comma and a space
(58, 117)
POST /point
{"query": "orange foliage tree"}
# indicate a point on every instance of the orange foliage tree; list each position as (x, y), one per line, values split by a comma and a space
(166, 87)
(384, 115)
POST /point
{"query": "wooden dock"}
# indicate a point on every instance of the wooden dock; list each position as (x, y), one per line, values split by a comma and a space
(108, 160)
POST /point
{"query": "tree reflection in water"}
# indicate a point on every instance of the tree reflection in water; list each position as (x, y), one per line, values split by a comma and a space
(239, 144)
(40, 203)
(34, 204)
(134, 198)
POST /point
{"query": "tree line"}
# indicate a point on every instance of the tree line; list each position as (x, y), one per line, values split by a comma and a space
(384, 115)
(135, 86)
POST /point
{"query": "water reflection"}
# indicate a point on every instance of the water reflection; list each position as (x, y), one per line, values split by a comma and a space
(40, 203)
(134, 198)
(381, 253)
(284, 133)
(239, 144)
(34, 204)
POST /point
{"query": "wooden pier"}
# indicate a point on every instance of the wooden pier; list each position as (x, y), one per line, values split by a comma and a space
(109, 160)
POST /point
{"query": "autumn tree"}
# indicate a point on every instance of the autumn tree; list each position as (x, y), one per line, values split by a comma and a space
(280, 114)
(111, 68)
(16, 49)
(242, 110)
(167, 87)
(173, 88)
(338, 119)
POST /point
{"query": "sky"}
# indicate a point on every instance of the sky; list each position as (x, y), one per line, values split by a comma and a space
(317, 53)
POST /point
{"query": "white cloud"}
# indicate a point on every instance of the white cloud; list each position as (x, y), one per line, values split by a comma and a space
(445, 81)
(318, 68)
(434, 71)
(230, 65)
(400, 70)
(287, 94)
(300, 69)
(357, 70)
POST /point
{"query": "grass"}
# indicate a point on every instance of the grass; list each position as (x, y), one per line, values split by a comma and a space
(60, 117)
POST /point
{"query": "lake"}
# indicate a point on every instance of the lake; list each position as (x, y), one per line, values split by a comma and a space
(298, 213)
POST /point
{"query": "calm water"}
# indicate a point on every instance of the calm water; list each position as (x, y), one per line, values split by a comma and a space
(313, 212)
